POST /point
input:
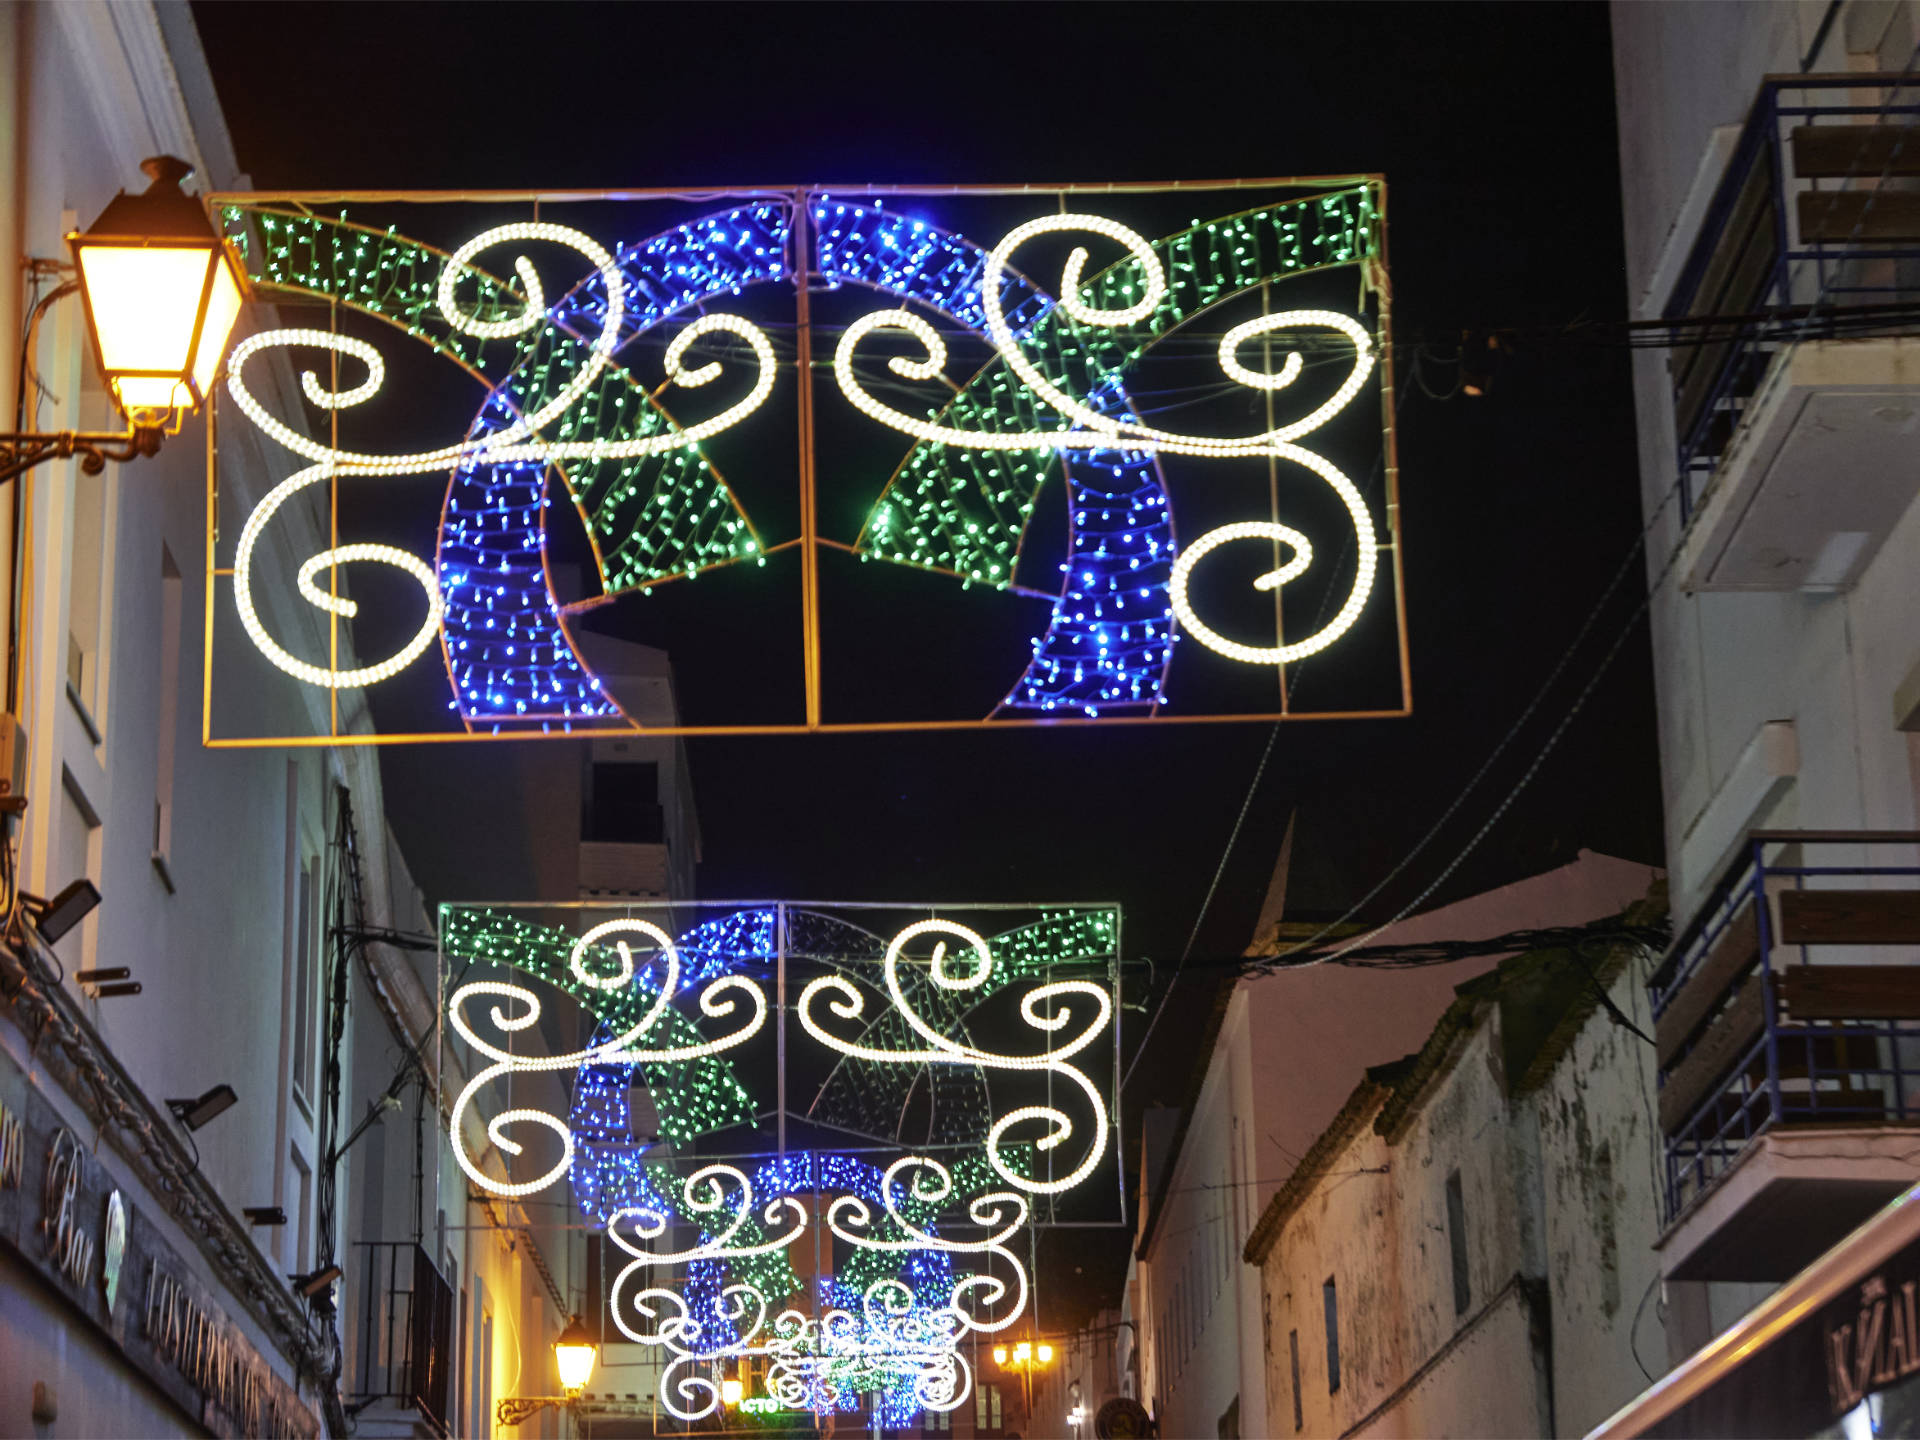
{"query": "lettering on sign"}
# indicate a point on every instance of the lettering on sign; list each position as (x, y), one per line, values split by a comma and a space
(116, 1233)
(69, 1245)
(218, 1362)
(13, 1149)
(1877, 1348)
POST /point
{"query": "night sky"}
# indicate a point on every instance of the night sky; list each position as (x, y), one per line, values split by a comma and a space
(1494, 128)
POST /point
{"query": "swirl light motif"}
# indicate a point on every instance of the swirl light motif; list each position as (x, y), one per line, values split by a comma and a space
(627, 1047)
(889, 1340)
(928, 1246)
(846, 1002)
(1093, 430)
(518, 441)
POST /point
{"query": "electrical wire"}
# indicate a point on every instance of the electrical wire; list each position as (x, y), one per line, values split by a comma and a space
(1559, 731)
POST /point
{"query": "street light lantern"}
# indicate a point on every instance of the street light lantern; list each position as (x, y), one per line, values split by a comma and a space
(731, 1391)
(999, 1354)
(575, 1352)
(162, 292)
(1046, 1354)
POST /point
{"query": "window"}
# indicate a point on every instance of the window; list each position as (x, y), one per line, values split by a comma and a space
(303, 980)
(303, 1234)
(623, 804)
(167, 721)
(1293, 1356)
(462, 1368)
(1457, 1244)
(986, 1407)
(87, 592)
(1330, 1299)
(936, 1422)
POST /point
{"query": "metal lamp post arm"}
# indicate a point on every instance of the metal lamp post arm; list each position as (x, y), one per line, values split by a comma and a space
(21, 450)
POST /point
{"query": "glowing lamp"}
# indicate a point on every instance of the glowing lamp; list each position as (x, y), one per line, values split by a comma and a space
(575, 1353)
(1046, 1354)
(162, 292)
(1023, 1352)
(730, 1392)
(999, 1354)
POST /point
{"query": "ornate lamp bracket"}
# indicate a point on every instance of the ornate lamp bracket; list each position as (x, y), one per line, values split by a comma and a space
(516, 1408)
(21, 452)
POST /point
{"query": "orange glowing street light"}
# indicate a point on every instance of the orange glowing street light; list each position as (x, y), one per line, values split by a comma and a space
(162, 290)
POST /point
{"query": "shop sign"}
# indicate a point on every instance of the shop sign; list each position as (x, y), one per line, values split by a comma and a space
(63, 1215)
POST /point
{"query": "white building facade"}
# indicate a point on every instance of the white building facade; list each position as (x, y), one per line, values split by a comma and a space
(154, 1255)
(1766, 176)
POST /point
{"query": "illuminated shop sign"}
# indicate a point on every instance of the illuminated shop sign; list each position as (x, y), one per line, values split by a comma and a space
(849, 467)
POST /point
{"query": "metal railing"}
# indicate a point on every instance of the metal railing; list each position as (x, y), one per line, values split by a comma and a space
(403, 1348)
(1807, 237)
(1761, 1017)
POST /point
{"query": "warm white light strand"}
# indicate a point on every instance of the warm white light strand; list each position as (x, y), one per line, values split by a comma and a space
(518, 442)
(1366, 565)
(621, 1049)
(847, 1003)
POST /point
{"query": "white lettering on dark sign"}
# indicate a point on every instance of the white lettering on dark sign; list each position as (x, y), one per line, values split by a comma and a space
(218, 1362)
(13, 1149)
(69, 1245)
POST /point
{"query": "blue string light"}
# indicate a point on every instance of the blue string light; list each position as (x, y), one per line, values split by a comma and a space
(1110, 637)
(653, 517)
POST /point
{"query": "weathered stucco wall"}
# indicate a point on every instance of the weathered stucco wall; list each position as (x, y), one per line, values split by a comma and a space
(1377, 1226)
(1291, 1048)
(1600, 1156)
(1556, 1217)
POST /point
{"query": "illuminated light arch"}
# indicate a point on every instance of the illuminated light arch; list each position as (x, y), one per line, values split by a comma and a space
(928, 1241)
(1111, 633)
(508, 656)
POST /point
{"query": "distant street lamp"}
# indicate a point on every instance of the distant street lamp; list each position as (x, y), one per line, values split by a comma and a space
(162, 292)
(1024, 1358)
(575, 1353)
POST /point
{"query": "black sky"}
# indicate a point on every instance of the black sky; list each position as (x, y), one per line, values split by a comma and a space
(1494, 128)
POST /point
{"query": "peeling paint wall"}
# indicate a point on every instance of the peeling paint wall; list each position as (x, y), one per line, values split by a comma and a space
(1290, 1048)
(1600, 1152)
(1411, 1361)
(1507, 1307)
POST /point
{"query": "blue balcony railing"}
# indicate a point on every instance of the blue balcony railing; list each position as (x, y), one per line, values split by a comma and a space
(1791, 998)
(1813, 233)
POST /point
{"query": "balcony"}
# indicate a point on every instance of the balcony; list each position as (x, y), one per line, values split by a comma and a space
(400, 1341)
(1795, 366)
(1787, 1038)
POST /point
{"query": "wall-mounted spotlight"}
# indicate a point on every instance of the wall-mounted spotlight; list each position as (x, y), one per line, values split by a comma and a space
(54, 918)
(198, 1111)
(107, 982)
(265, 1214)
(315, 1282)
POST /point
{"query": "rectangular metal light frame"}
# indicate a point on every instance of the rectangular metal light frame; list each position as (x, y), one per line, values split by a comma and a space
(809, 541)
